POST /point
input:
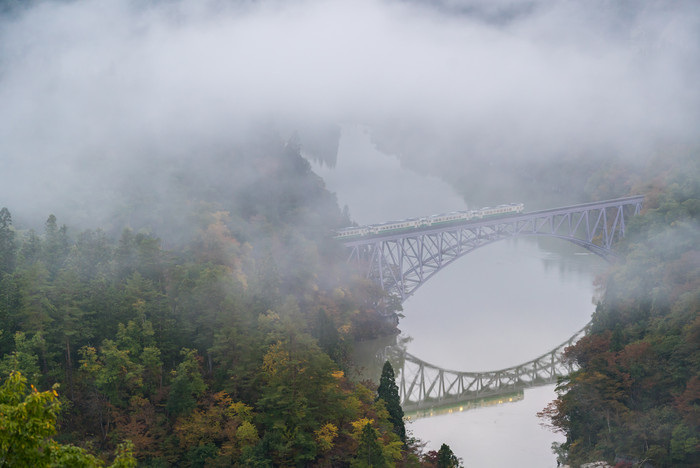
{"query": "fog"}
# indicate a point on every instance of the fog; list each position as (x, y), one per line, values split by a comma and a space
(97, 97)
(91, 89)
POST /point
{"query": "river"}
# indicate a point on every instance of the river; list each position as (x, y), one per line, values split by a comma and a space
(499, 306)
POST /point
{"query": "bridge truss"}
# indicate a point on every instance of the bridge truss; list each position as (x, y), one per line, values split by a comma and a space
(423, 385)
(400, 263)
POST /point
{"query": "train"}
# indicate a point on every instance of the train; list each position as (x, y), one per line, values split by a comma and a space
(452, 217)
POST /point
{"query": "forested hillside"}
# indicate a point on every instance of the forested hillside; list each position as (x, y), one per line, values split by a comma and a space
(214, 330)
(636, 395)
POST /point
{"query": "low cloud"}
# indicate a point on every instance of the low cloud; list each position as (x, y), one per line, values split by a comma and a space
(89, 88)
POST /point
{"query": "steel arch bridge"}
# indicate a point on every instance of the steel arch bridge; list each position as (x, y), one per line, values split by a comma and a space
(401, 262)
(423, 385)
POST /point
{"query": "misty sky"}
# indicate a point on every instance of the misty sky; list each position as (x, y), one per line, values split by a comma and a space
(88, 87)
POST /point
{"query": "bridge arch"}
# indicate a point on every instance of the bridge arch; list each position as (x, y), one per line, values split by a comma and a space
(401, 262)
(593, 248)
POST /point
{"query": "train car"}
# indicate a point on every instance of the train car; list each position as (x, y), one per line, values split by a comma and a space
(394, 226)
(447, 218)
(355, 231)
(500, 210)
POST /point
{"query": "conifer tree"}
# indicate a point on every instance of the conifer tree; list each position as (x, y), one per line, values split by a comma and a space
(7, 243)
(56, 245)
(389, 392)
(369, 451)
(446, 458)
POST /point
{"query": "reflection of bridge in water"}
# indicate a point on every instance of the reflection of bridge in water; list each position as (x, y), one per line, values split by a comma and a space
(401, 262)
(425, 386)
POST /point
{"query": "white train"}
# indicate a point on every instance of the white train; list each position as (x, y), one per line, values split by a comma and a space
(433, 220)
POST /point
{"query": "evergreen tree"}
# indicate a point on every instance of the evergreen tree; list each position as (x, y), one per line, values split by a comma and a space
(7, 243)
(369, 451)
(30, 252)
(125, 254)
(329, 339)
(389, 392)
(55, 245)
(446, 458)
(187, 384)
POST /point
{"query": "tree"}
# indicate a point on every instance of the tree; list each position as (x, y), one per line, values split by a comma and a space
(329, 339)
(446, 458)
(71, 321)
(28, 420)
(35, 307)
(389, 392)
(92, 255)
(443, 458)
(299, 396)
(187, 384)
(23, 359)
(8, 249)
(220, 424)
(31, 249)
(369, 451)
(120, 376)
(55, 245)
(125, 254)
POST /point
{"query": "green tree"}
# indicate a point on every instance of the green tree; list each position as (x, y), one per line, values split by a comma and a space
(56, 245)
(92, 255)
(35, 309)
(446, 458)
(8, 248)
(141, 301)
(28, 420)
(298, 397)
(72, 322)
(137, 338)
(329, 339)
(389, 392)
(120, 376)
(23, 359)
(369, 451)
(187, 384)
(125, 254)
(30, 252)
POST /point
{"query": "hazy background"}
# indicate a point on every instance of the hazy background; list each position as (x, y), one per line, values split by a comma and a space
(90, 90)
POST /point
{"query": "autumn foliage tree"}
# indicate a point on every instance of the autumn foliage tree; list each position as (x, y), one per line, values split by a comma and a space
(27, 423)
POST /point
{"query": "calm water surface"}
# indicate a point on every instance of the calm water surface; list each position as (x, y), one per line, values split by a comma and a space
(499, 306)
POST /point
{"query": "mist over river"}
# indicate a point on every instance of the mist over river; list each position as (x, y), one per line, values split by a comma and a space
(499, 306)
